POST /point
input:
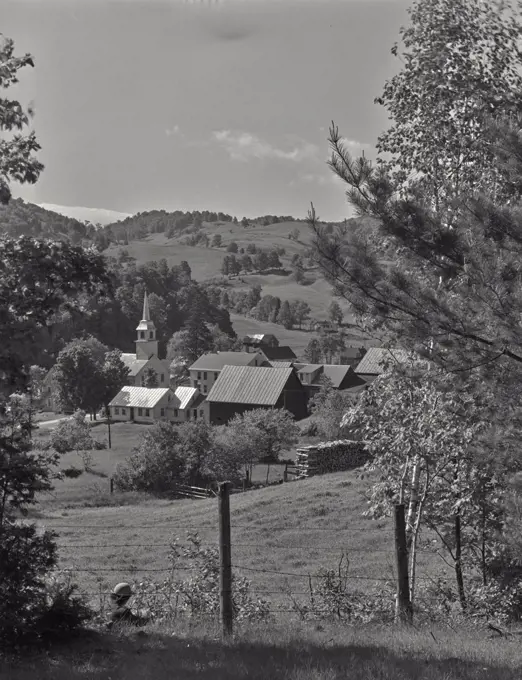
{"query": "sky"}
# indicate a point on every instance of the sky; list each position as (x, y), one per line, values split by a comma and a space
(219, 105)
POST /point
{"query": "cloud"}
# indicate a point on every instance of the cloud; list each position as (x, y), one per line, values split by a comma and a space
(174, 130)
(243, 146)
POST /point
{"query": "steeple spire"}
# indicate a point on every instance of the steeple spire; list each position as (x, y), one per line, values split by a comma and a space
(146, 312)
(146, 343)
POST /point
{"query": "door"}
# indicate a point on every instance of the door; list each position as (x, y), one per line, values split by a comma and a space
(131, 413)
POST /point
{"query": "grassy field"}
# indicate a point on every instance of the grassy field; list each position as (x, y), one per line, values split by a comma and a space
(205, 263)
(279, 652)
(291, 529)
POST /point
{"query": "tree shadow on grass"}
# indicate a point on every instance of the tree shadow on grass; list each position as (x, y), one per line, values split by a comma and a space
(146, 656)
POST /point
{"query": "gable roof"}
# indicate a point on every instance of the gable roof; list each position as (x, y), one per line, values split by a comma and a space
(139, 397)
(372, 362)
(216, 361)
(258, 337)
(279, 353)
(309, 368)
(254, 385)
(185, 395)
(134, 365)
(342, 375)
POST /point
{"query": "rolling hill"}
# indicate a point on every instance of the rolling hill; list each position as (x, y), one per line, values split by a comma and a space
(19, 218)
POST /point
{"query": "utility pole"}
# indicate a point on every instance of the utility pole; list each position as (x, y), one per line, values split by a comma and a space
(403, 608)
(225, 555)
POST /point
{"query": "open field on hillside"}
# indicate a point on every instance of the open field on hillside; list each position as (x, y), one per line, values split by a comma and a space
(280, 534)
(296, 339)
(92, 489)
(277, 651)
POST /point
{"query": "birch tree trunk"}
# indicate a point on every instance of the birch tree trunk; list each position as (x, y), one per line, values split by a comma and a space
(414, 499)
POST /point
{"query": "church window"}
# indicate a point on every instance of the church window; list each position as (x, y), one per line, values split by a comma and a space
(140, 411)
(142, 335)
(123, 412)
(151, 335)
(205, 375)
(162, 377)
(147, 412)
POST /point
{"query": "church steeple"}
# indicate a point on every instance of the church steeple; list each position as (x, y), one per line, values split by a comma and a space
(146, 343)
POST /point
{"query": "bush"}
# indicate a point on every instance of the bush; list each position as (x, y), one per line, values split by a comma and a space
(33, 604)
(198, 595)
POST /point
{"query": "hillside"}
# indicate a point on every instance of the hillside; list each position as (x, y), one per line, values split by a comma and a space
(280, 534)
(19, 218)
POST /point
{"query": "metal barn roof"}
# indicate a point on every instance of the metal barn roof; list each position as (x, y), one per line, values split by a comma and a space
(375, 357)
(254, 385)
(185, 394)
(216, 361)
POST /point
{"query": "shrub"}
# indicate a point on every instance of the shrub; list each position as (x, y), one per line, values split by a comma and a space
(198, 595)
(65, 609)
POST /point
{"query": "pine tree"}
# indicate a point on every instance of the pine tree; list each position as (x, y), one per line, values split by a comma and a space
(285, 317)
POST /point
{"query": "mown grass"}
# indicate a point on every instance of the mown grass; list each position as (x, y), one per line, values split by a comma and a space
(280, 534)
(279, 652)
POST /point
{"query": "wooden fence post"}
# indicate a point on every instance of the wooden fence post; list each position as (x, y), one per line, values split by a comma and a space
(403, 608)
(285, 473)
(225, 555)
(112, 485)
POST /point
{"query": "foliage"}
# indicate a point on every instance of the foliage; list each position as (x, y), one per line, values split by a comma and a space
(335, 313)
(17, 160)
(328, 406)
(191, 342)
(169, 454)
(424, 437)
(150, 378)
(74, 434)
(461, 66)
(198, 595)
(259, 435)
(39, 280)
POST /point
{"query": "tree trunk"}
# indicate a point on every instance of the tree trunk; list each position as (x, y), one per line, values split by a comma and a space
(414, 500)
(483, 540)
(109, 426)
(415, 534)
(267, 473)
(458, 562)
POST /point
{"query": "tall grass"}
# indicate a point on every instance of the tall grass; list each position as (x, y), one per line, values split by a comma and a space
(289, 652)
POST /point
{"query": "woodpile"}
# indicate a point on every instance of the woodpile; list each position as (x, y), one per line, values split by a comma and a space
(335, 456)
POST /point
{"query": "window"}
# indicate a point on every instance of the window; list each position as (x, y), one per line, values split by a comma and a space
(199, 375)
(162, 377)
(147, 412)
(175, 413)
(216, 376)
(162, 412)
(151, 335)
(195, 412)
(205, 375)
(140, 411)
(204, 389)
(201, 413)
(142, 335)
(123, 412)
(116, 411)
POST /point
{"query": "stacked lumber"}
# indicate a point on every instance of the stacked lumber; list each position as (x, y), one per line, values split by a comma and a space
(334, 456)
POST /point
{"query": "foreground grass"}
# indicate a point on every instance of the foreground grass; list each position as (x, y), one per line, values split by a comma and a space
(279, 652)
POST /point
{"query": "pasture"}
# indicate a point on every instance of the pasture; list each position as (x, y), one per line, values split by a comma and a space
(281, 652)
(280, 534)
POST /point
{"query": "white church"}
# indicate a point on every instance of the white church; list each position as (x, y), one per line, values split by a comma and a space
(138, 403)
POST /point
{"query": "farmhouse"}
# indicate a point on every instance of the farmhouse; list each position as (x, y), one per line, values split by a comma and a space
(146, 356)
(342, 377)
(150, 404)
(143, 404)
(243, 388)
(259, 340)
(376, 359)
(205, 371)
(281, 353)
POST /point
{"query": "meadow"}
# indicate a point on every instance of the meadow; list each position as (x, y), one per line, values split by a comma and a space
(280, 534)
(276, 651)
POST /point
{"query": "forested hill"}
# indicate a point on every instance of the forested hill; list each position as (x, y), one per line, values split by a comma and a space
(18, 218)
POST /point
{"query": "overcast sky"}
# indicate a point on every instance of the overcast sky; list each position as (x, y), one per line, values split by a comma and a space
(201, 104)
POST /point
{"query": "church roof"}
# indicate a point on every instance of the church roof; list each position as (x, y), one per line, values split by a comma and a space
(134, 365)
(146, 323)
